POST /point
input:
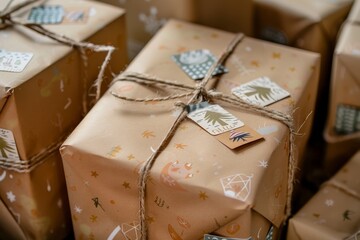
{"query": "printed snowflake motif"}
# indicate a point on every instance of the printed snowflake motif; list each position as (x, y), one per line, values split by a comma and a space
(263, 163)
(77, 209)
(329, 202)
(10, 195)
(151, 22)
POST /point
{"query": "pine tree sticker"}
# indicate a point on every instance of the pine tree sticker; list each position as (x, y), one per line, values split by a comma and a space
(216, 117)
(261, 93)
(237, 136)
(5, 147)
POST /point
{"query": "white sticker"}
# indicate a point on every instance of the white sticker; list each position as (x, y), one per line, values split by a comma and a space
(14, 61)
(8, 148)
(215, 120)
(261, 91)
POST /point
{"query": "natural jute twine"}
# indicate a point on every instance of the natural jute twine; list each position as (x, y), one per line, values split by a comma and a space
(197, 94)
(6, 20)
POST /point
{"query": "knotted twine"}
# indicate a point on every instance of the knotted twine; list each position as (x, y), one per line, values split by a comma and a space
(6, 20)
(197, 94)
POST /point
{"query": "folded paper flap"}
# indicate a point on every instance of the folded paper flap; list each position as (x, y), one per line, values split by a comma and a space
(23, 40)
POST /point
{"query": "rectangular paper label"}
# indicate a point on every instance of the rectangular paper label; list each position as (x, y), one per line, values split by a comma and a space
(8, 150)
(238, 137)
(14, 61)
(215, 120)
(261, 91)
(49, 14)
(347, 119)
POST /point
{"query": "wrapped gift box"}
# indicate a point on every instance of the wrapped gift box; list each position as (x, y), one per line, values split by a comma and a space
(189, 190)
(333, 213)
(342, 132)
(309, 25)
(44, 101)
(36, 201)
(144, 18)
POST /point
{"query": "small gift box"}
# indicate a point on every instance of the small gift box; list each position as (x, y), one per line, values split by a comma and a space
(197, 183)
(333, 213)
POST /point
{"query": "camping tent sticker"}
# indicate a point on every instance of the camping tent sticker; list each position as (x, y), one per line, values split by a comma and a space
(8, 148)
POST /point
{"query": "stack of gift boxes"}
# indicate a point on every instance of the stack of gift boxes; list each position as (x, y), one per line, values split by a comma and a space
(205, 135)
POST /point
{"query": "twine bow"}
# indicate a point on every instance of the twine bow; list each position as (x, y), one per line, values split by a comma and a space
(197, 94)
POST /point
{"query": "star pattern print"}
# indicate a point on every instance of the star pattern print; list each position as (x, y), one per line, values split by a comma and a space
(263, 163)
(329, 202)
(78, 209)
(10, 195)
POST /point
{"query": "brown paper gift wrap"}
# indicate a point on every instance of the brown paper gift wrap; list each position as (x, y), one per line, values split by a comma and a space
(185, 196)
(306, 24)
(345, 90)
(144, 18)
(354, 15)
(333, 213)
(44, 102)
(37, 202)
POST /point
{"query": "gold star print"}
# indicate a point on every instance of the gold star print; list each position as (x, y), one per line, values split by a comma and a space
(180, 146)
(150, 220)
(181, 49)
(93, 218)
(292, 69)
(94, 174)
(202, 195)
(276, 55)
(255, 63)
(147, 134)
(112, 201)
(126, 185)
(183, 127)
(130, 157)
(214, 35)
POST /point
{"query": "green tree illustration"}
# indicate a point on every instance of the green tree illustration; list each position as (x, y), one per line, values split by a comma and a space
(260, 93)
(237, 136)
(4, 146)
(216, 117)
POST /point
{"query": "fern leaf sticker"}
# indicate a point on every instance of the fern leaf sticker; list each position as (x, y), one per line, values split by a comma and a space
(216, 117)
(5, 147)
(261, 93)
(237, 136)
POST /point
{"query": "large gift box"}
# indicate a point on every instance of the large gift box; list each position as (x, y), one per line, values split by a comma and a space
(44, 87)
(197, 185)
(342, 132)
(306, 24)
(333, 213)
(144, 18)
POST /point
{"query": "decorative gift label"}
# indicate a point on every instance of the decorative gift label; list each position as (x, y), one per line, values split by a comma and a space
(49, 14)
(197, 63)
(347, 119)
(261, 91)
(215, 120)
(14, 61)
(76, 15)
(213, 237)
(238, 137)
(8, 148)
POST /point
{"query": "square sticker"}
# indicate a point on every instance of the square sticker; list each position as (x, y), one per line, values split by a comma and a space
(197, 63)
(46, 14)
(347, 119)
(215, 120)
(238, 137)
(8, 150)
(261, 91)
(14, 61)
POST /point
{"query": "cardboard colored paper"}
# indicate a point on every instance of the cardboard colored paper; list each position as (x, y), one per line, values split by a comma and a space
(196, 185)
(238, 137)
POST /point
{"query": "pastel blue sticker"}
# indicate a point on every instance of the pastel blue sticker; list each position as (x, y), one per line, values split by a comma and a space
(347, 119)
(46, 14)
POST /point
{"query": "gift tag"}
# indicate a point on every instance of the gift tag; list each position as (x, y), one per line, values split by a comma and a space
(14, 61)
(76, 15)
(8, 148)
(193, 107)
(49, 14)
(215, 120)
(347, 119)
(261, 91)
(197, 63)
(214, 237)
(238, 137)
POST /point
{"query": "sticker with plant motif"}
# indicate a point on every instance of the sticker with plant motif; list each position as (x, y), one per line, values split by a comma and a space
(261, 91)
(215, 120)
(14, 61)
(238, 137)
(8, 148)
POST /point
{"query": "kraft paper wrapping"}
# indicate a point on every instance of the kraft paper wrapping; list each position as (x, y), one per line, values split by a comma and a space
(306, 24)
(354, 15)
(333, 213)
(185, 197)
(45, 100)
(144, 18)
(345, 89)
(36, 202)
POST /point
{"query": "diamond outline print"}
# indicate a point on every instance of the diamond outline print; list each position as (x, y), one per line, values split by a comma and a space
(131, 228)
(237, 192)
